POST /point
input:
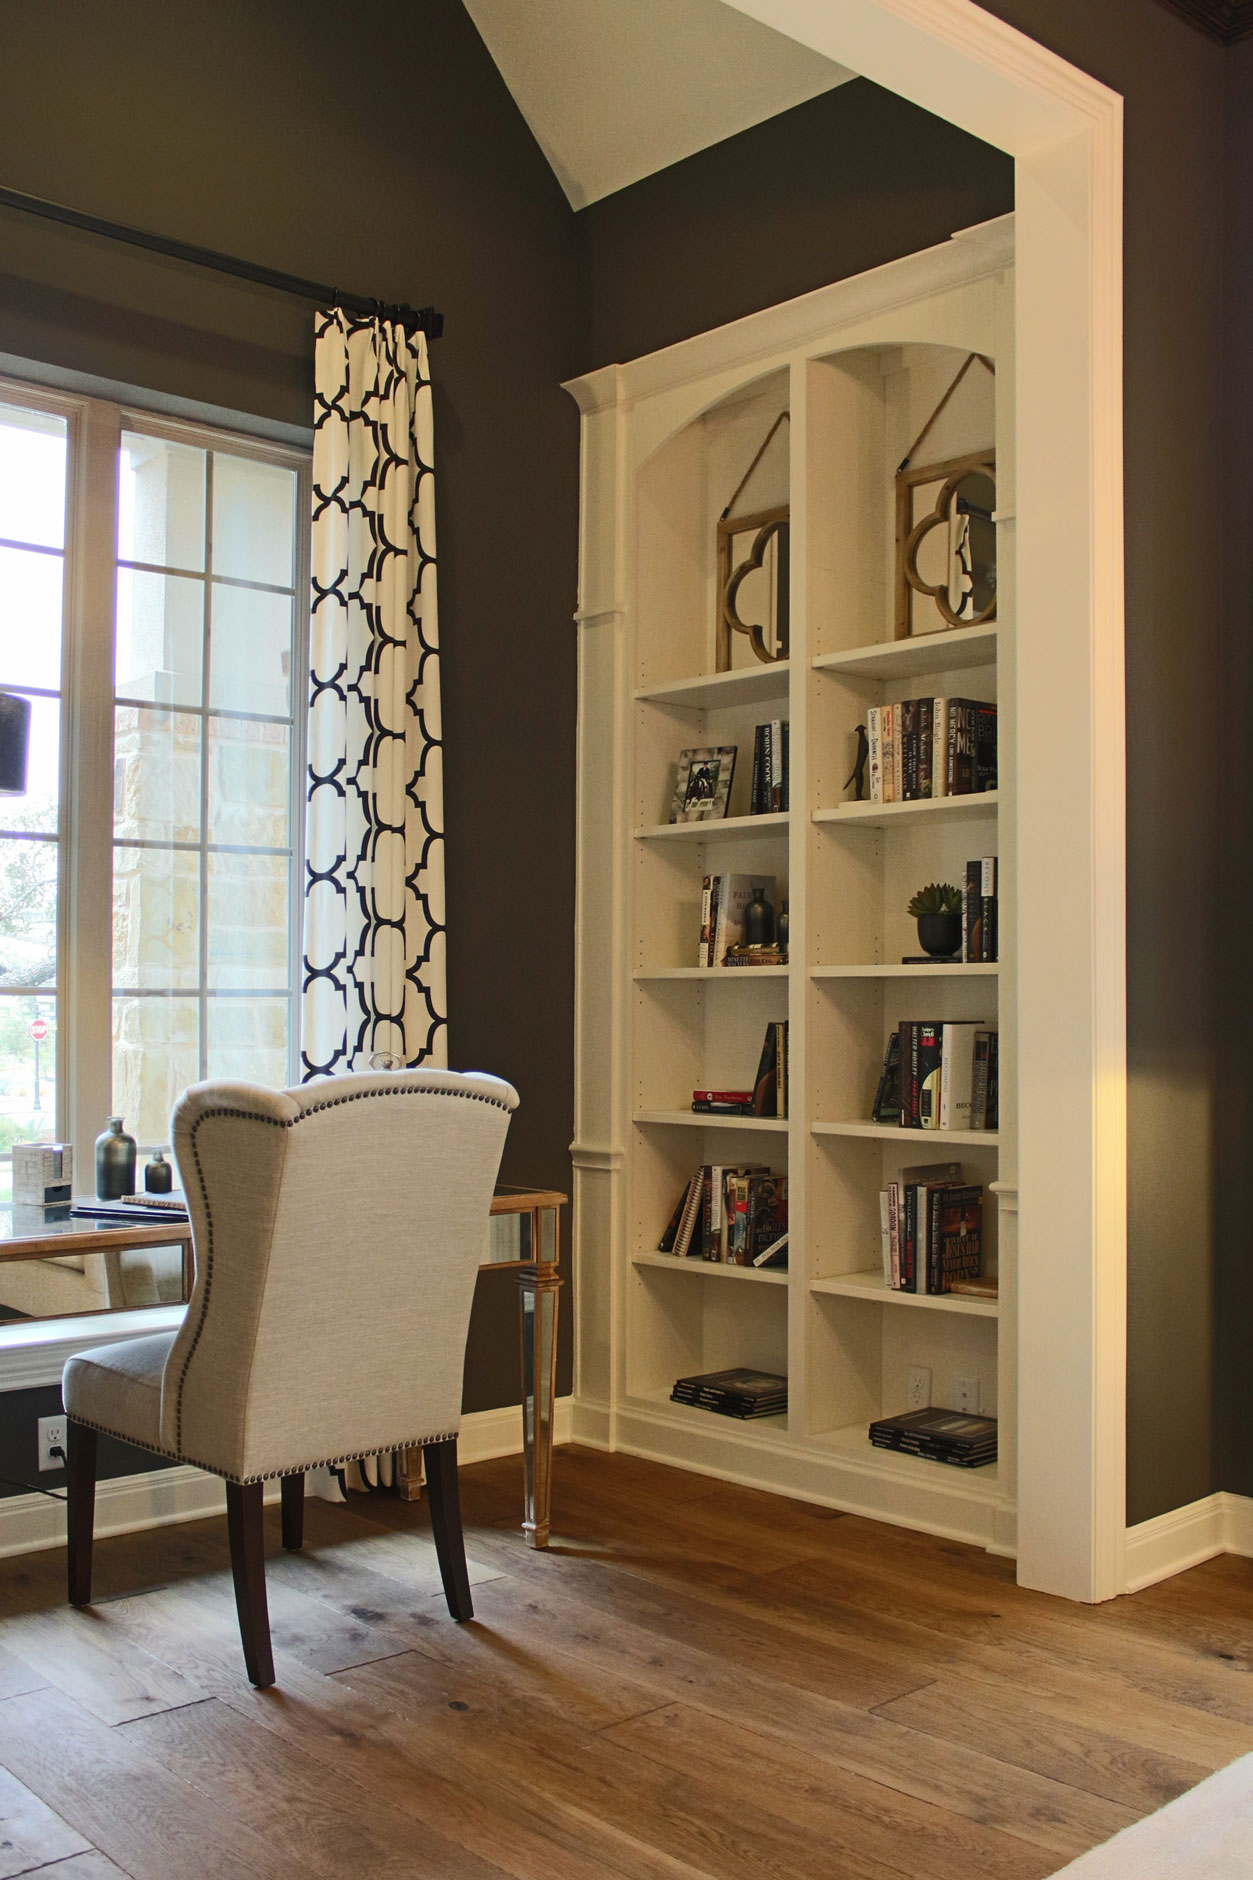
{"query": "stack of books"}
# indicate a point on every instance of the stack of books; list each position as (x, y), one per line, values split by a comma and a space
(733, 1216)
(723, 900)
(926, 747)
(931, 1229)
(940, 1436)
(768, 1096)
(734, 1393)
(979, 923)
(770, 763)
(939, 1074)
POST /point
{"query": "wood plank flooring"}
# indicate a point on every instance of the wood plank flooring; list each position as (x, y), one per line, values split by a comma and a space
(697, 1682)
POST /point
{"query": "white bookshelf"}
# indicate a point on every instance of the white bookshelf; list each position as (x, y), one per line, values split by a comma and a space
(658, 467)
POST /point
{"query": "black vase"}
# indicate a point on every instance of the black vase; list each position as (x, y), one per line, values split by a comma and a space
(158, 1176)
(940, 935)
(115, 1162)
(759, 921)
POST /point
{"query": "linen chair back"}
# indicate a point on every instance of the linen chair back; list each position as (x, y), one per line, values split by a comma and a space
(337, 1231)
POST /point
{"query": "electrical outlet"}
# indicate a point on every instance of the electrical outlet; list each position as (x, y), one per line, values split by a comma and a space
(967, 1389)
(918, 1387)
(51, 1436)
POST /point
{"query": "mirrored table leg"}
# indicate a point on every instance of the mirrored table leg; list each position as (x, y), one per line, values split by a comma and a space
(538, 1291)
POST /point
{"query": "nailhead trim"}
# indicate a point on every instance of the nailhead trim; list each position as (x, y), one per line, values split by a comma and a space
(357, 1096)
(268, 1475)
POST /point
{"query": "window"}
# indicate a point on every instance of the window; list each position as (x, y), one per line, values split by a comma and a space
(153, 587)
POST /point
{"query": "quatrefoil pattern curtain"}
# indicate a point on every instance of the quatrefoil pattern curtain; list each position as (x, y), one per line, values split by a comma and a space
(373, 976)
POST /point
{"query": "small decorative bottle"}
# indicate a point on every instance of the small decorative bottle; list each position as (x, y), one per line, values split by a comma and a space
(115, 1162)
(758, 920)
(158, 1176)
(781, 930)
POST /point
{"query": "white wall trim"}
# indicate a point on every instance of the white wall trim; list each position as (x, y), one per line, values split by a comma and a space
(1171, 1543)
(161, 1497)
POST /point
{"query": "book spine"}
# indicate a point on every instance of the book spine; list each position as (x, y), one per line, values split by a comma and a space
(957, 1068)
(785, 740)
(979, 1082)
(767, 761)
(926, 708)
(988, 896)
(754, 799)
(776, 764)
(874, 738)
(907, 1253)
(929, 1075)
(706, 892)
(935, 1200)
(939, 747)
(908, 709)
(715, 899)
(974, 912)
(894, 1234)
(961, 747)
(889, 753)
(780, 1080)
(711, 1174)
(721, 913)
(909, 1075)
(985, 746)
(691, 1215)
(885, 1238)
(994, 1083)
(898, 755)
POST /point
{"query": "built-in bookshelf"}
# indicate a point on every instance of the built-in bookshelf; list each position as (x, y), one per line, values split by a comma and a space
(659, 466)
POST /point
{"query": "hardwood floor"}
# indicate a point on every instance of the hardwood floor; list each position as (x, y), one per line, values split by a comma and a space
(698, 1682)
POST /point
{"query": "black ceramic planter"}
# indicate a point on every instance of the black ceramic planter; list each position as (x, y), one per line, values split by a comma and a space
(940, 935)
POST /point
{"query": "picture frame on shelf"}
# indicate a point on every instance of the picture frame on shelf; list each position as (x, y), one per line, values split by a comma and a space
(702, 784)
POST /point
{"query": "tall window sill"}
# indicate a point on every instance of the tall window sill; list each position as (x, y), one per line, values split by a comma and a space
(34, 1351)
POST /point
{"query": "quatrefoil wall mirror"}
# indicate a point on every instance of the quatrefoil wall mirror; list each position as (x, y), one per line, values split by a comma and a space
(946, 545)
(753, 562)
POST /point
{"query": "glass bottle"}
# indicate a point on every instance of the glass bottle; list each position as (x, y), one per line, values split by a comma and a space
(158, 1176)
(115, 1162)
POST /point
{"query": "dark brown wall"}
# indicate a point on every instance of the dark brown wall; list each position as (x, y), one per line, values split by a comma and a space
(1234, 1280)
(377, 148)
(858, 177)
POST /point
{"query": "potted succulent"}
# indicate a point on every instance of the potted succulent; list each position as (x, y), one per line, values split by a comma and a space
(938, 910)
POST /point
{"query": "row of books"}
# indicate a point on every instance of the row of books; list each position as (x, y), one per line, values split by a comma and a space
(768, 1096)
(738, 1392)
(926, 747)
(722, 903)
(770, 768)
(733, 1216)
(939, 1435)
(980, 937)
(931, 1229)
(940, 1074)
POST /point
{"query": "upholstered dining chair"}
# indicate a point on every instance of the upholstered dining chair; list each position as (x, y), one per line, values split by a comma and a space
(337, 1229)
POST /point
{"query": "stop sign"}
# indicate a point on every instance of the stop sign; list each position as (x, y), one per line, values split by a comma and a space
(39, 1029)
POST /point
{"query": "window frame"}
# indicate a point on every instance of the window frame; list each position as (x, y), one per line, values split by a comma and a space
(94, 427)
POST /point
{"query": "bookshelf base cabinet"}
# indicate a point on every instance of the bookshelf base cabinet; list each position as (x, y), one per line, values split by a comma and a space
(841, 383)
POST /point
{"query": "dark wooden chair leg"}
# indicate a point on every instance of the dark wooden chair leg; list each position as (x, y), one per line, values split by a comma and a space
(293, 1488)
(80, 1509)
(244, 1524)
(441, 1483)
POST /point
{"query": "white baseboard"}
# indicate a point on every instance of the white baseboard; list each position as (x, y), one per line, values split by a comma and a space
(126, 1503)
(1184, 1537)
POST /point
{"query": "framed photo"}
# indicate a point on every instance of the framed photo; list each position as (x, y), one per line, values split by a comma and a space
(702, 784)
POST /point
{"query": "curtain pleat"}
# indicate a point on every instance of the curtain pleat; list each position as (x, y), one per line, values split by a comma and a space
(374, 972)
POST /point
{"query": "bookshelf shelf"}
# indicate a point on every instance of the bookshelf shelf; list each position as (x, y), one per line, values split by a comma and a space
(703, 1119)
(956, 970)
(920, 1139)
(933, 810)
(665, 447)
(712, 1269)
(727, 829)
(719, 974)
(872, 1285)
(900, 659)
(753, 685)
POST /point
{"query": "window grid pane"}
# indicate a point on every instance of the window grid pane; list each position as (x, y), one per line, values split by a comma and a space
(203, 850)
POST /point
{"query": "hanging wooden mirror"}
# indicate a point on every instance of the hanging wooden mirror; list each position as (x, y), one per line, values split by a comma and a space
(946, 536)
(754, 574)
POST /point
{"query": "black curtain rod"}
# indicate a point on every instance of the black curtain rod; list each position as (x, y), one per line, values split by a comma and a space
(414, 319)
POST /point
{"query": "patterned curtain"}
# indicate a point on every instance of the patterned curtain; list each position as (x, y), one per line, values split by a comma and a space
(373, 977)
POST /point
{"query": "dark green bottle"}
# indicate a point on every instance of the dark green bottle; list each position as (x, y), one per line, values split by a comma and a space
(115, 1162)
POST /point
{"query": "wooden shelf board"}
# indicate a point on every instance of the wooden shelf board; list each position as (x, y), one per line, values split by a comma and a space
(712, 1269)
(872, 1285)
(705, 1119)
(722, 830)
(926, 652)
(854, 1442)
(922, 1138)
(955, 970)
(751, 685)
(722, 973)
(934, 809)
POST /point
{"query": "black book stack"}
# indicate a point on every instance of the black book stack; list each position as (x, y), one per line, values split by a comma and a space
(940, 1435)
(734, 1393)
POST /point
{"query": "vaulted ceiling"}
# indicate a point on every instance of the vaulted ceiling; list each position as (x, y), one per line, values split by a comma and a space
(616, 89)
